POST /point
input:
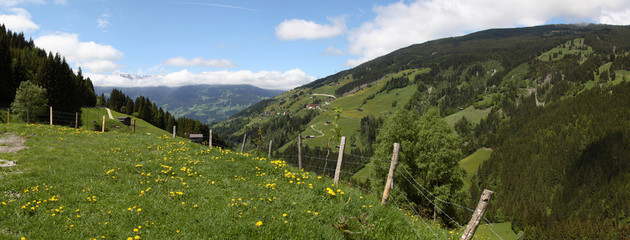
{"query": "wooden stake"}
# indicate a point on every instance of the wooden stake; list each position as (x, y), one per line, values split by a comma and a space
(390, 177)
(174, 131)
(134, 125)
(103, 130)
(300, 151)
(339, 159)
(51, 115)
(76, 120)
(210, 139)
(477, 215)
(269, 155)
(243, 145)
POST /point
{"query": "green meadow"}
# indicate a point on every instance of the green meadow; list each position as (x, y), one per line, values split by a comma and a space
(83, 184)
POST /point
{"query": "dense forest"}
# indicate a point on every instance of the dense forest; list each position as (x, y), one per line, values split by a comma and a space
(562, 172)
(20, 61)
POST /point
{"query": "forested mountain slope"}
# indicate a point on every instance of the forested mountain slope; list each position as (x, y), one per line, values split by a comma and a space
(548, 99)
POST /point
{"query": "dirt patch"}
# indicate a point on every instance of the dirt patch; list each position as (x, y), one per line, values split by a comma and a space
(6, 163)
(10, 143)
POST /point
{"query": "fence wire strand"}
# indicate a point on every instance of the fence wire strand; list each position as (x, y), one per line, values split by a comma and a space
(416, 211)
(432, 203)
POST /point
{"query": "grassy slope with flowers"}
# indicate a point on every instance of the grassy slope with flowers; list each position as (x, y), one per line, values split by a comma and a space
(79, 184)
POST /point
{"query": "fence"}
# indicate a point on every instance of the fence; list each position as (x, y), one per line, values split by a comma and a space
(346, 167)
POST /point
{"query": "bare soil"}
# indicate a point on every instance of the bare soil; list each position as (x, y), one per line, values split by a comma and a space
(10, 143)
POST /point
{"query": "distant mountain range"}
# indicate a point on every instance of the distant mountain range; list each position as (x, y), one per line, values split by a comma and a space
(206, 103)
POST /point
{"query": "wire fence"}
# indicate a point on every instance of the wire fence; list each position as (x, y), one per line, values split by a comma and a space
(355, 170)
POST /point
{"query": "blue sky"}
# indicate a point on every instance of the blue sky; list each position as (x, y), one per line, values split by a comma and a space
(270, 44)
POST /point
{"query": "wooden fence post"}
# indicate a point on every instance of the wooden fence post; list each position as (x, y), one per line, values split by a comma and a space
(76, 120)
(339, 159)
(477, 215)
(103, 130)
(269, 154)
(243, 145)
(300, 151)
(134, 126)
(210, 139)
(174, 131)
(390, 177)
(51, 115)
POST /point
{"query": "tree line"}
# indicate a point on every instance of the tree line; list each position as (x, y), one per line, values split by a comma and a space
(21, 61)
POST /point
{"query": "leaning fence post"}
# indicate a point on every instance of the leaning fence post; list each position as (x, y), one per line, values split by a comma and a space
(339, 159)
(243, 145)
(477, 215)
(210, 139)
(269, 155)
(174, 131)
(134, 125)
(51, 116)
(76, 120)
(390, 176)
(103, 130)
(300, 151)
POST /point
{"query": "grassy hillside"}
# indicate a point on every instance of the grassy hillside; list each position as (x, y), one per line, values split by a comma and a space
(80, 184)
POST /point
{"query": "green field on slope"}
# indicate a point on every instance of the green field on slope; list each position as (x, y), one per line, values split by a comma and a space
(82, 184)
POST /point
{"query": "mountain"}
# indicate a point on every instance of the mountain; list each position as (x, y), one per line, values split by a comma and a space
(519, 93)
(206, 103)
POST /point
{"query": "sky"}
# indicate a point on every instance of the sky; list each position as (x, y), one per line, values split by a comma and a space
(269, 44)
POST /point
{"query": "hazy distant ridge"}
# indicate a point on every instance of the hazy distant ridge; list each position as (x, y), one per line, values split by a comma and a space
(206, 103)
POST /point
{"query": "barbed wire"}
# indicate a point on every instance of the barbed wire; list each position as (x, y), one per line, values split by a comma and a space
(430, 193)
(432, 203)
(416, 211)
(406, 219)
(369, 158)
(490, 227)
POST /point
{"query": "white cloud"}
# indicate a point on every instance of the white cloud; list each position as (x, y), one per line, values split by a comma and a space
(301, 29)
(401, 24)
(616, 18)
(103, 21)
(263, 79)
(90, 56)
(11, 3)
(183, 62)
(19, 20)
(332, 51)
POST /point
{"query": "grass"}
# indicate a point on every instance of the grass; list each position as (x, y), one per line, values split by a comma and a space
(502, 229)
(561, 51)
(473, 115)
(81, 184)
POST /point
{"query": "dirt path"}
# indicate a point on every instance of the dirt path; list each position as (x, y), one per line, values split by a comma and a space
(319, 131)
(109, 112)
(327, 95)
